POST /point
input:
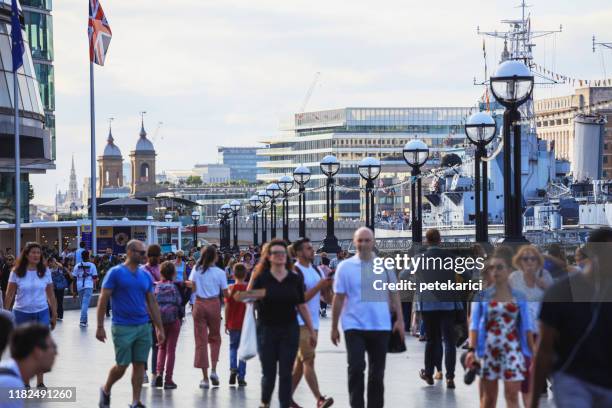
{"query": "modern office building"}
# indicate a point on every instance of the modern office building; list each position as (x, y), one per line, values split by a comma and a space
(36, 143)
(39, 30)
(242, 162)
(213, 173)
(555, 120)
(352, 134)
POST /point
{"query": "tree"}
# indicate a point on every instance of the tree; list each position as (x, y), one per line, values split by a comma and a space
(194, 180)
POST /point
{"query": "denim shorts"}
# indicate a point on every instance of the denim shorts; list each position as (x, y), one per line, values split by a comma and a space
(41, 317)
(132, 343)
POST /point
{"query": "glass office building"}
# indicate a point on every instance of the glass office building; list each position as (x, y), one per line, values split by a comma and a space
(36, 144)
(242, 162)
(39, 30)
(352, 134)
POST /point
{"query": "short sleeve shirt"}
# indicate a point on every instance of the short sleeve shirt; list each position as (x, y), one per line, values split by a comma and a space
(209, 283)
(278, 307)
(311, 279)
(31, 296)
(83, 273)
(129, 294)
(362, 309)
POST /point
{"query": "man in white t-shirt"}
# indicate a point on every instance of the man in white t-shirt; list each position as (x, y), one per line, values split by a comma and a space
(316, 285)
(33, 351)
(366, 319)
(84, 273)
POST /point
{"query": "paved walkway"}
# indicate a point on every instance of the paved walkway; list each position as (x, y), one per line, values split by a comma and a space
(83, 362)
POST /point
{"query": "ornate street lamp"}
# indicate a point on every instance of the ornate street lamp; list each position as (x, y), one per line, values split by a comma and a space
(301, 175)
(221, 216)
(286, 184)
(369, 170)
(416, 153)
(168, 219)
(226, 210)
(235, 206)
(274, 192)
(254, 203)
(480, 129)
(512, 85)
(195, 217)
(330, 166)
(264, 199)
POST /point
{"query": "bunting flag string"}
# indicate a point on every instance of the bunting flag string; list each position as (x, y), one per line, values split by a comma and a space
(571, 80)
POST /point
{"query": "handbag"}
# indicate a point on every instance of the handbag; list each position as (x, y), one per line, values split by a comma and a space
(396, 345)
(247, 348)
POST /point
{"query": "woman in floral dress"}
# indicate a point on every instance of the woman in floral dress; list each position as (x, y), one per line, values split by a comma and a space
(501, 335)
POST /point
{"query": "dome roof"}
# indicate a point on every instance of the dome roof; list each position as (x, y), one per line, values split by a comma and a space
(111, 150)
(144, 144)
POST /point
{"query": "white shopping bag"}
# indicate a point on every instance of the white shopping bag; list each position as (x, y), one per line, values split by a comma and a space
(248, 337)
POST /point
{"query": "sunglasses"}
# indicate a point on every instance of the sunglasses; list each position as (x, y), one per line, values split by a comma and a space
(278, 252)
(529, 258)
(497, 267)
(141, 253)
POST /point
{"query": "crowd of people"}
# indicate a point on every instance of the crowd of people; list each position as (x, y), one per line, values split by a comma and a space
(540, 319)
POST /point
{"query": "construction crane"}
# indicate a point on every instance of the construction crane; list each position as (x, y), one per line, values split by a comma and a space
(310, 91)
(154, 138)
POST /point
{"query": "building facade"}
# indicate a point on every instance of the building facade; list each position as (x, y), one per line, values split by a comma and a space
(36, 143)
(213, 173)
(352, 134)
(110, 166)
(242, 162)
(39, 30)
(555, 120)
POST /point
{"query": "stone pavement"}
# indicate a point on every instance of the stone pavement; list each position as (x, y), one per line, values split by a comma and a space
(83, 362)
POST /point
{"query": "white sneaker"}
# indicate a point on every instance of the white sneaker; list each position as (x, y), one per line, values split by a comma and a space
(204, 385)
(145, 378)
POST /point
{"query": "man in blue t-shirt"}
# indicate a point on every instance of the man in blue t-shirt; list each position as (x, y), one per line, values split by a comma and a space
(130, 289)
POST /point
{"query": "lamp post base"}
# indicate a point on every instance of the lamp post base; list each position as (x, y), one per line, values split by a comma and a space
(514, 240)
(330, 245)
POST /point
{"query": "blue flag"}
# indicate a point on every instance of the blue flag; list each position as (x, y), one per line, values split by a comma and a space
(17, 49)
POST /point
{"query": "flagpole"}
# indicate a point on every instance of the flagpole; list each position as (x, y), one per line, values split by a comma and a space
(94, 240)
(17, 167)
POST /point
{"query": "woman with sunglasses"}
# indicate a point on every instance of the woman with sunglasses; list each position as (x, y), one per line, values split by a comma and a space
(532, 280)
(501, 335)
(278, 331)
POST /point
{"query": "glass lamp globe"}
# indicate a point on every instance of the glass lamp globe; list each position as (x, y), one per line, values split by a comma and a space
(301, 175)
(512, 83)
(480, 128)
(416, 153)
(285, 183)
(369, 168)
(330, 165)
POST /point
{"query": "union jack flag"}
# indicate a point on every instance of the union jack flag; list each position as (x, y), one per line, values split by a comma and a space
(99, 33)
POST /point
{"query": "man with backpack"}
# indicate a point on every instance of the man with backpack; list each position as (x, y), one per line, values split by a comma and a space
(316, 285)
(84, 273)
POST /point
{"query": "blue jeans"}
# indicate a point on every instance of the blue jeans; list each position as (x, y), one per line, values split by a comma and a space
(84, 298)
(572, 392)
(235, 364)
(41, 317)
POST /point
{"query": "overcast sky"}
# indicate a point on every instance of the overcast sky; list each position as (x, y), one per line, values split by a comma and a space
(226, 71)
